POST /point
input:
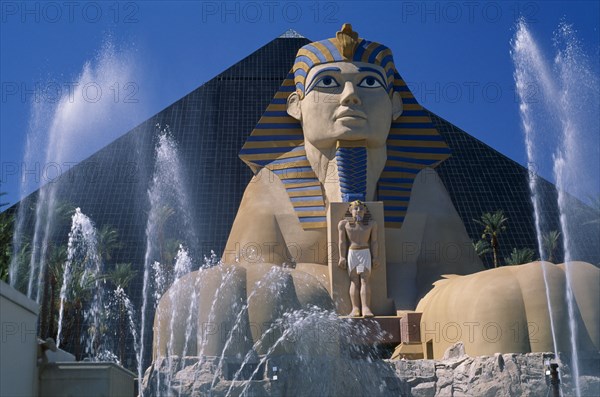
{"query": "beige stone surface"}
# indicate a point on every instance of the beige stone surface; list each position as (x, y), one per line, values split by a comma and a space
(586, 278)
(229, 308)
(212, 299)
(266, 232)
(432, 241)
(408, 351)
(505, 310)
(266, 229)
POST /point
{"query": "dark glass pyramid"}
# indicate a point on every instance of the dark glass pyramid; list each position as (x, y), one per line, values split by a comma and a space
(211, 124)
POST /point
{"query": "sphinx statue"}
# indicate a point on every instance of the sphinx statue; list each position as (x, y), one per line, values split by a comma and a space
(343, 126)
(344, 94)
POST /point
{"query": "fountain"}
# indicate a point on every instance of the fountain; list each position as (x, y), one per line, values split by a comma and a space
(103, 317)
(96, 317)
(83, 262)
(242, 338)
(270, 317)
(168, 200)
(569, 79)
(61, 132)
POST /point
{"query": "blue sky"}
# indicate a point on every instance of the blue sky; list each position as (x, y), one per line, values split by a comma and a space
(97, 69)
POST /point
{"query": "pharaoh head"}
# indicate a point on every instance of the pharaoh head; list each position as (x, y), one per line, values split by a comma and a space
(344, 126)
(359, 212)
(344, 91)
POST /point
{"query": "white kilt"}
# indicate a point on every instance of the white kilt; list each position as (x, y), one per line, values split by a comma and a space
(359, 260)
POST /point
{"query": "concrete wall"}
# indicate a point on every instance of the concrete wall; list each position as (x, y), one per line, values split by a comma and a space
(18, 343)
(91, 379)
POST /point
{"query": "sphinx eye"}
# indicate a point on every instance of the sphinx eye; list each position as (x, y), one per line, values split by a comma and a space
(327, 82)
(370, 82)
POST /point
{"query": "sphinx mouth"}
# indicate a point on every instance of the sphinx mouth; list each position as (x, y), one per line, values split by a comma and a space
(354, 114)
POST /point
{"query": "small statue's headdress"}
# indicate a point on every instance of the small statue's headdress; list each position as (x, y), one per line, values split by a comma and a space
(357, 203)
(345, 46)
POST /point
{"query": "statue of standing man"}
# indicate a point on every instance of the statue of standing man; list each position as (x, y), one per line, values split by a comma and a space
(360, 257)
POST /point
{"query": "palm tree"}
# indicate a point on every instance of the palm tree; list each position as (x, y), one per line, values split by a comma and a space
(493, 225)
(80, 291)
(167, 247)
(108, 241)
(481, 247)
(55, 258)
(20, 282)
(54, 276)
(550, 243)
(121, 276)
(6, 235)
(163, 214)
(62, 215)
(6, 230)
(519, 257)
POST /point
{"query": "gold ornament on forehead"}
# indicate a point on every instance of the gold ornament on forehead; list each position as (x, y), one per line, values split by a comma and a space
(347, 39)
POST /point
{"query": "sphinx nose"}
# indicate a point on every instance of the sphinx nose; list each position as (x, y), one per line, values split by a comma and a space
(350, 95)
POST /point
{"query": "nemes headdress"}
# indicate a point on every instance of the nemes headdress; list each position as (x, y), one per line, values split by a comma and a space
(345, 46)
(357, 203)
(277, 141)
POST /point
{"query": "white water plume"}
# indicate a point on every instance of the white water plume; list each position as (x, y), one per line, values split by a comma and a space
(169, 203)
(81, 247)
(69, 121)
(529, 66)
(561, 119)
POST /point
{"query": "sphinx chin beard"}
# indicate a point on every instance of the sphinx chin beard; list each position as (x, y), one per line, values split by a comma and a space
(326, 165)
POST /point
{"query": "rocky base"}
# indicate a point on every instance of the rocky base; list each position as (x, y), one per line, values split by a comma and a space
(455, 375)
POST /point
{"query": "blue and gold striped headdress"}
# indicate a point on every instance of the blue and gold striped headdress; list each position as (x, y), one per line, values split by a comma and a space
(277, 141)
(345, 46)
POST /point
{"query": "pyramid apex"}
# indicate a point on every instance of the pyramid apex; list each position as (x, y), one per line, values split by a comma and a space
(291, 34)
